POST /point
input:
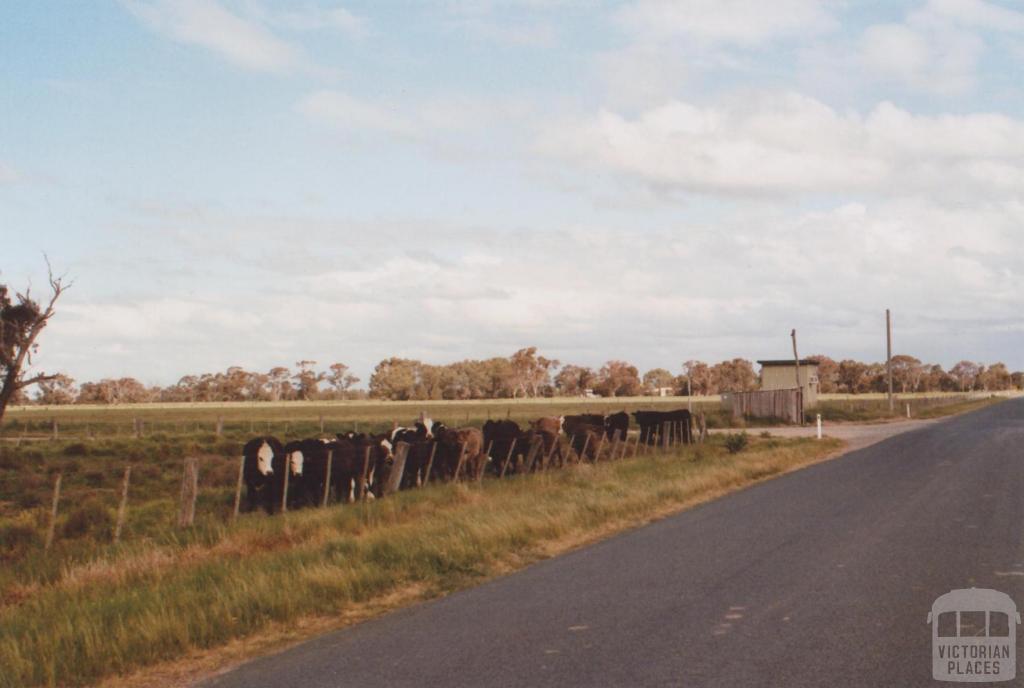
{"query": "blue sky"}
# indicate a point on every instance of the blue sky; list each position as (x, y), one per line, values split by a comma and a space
(255, 182)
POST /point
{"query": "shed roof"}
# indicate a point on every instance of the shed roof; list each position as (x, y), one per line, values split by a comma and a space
(788, 362)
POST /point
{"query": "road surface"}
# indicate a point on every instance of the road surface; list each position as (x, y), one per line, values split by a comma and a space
(821, 578)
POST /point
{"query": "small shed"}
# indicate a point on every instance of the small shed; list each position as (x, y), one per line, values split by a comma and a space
(781, 374)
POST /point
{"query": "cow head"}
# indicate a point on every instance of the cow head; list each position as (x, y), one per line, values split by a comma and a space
(427, 424)
(561, 423)
(265, 459)
(295, 462)
(388, 449)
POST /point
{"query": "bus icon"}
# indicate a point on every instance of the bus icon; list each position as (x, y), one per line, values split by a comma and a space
(974, 636)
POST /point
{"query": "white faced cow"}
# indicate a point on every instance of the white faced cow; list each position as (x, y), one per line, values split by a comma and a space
(259, 458)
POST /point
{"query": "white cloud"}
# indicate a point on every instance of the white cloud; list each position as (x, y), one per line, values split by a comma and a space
(939, 46)
(789, 143)
(208, 24)
(736, 22)
(315, 18)
(349, 114)
(452, 126)
(675, 290)
(979, 14)
(244, 37)
(931, 57)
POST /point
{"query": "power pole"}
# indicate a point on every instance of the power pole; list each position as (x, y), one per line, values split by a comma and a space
(796, 360)
(888, 358)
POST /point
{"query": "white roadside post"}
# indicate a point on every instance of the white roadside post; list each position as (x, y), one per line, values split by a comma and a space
(908, 409)
(819, 426)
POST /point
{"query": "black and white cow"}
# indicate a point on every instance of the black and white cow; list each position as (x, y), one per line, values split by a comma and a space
(306, 461)
(262, 461)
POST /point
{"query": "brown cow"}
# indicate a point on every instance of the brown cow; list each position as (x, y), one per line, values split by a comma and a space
(461, 442)
(549, 424)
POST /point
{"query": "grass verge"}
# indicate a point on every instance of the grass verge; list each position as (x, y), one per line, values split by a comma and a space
(961, 407)
(146, 604)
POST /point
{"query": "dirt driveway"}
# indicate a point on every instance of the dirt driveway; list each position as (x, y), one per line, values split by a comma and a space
(856, 435)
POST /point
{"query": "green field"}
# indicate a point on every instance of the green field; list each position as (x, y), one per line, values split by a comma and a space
(297, 418)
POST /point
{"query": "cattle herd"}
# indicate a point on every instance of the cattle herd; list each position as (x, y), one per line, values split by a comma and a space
(351, 466)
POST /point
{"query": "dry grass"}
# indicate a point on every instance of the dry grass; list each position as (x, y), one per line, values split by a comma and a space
(147, 605)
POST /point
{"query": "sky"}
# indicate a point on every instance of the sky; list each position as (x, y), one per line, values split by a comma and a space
(258, 182)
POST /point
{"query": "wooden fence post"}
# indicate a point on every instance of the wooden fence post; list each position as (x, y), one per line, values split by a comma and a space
(238, 488)
(531, 457)
(122, 508)
(483, 464)
(53, 513)
(284, 486)
(430, 464)
(361, 487)
(327, 477)
(600, 446)
(508, 457)
(462, 459)
(55, 428)
(397, 468)
(220, 425)
(549, 455)
(189, 493)
(135, 427)
(583, 454)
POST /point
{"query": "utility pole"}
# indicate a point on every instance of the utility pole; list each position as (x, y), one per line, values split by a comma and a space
(888, 358)
(796, 358)
(796, 361)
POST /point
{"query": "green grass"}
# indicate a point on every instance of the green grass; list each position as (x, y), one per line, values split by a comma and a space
(957, 407)
(145, 602)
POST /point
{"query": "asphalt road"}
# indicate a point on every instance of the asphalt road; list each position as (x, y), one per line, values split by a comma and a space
(821, 578)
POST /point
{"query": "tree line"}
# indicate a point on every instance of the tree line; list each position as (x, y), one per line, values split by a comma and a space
(524, 374)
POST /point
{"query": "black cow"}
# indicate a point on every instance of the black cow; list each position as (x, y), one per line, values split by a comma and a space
(263, 460)
(307, 471)
(349, 460)
(507, 442)
(617, 423)
(652, 425)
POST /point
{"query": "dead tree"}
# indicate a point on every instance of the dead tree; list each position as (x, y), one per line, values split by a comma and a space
(22, 319)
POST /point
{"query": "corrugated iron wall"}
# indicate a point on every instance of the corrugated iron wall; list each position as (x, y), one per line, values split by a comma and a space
(787, 404)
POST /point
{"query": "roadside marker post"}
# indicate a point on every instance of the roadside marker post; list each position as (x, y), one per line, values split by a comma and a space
(819, 426)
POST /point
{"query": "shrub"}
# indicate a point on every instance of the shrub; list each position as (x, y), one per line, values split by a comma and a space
(76, 449)
(90, 517)
(94, 478)
(15, 538)
(736, 442)
(765, 434)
